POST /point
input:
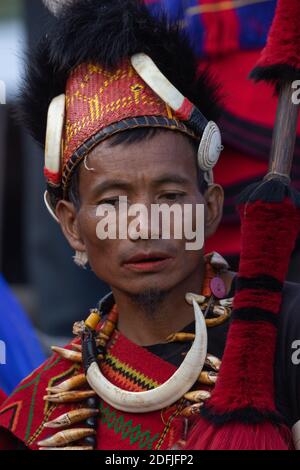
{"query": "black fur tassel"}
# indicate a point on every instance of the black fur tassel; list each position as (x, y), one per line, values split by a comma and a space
(275, 73)
(106, 32)
(273, 190)
(244, 415)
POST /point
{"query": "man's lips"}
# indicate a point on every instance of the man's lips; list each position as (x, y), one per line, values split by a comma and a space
(154, 261)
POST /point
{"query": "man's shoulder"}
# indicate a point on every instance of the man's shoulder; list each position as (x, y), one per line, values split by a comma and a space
(25, 411)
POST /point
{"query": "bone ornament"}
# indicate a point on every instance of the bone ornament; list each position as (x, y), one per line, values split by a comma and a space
(70, 384)
(197, 396)
(72, 417)
(210, 146)
(63, 438)
(69, 397)
(68, 354)
(55, 125)
(164, 395)
(191, 410)
(53, 143)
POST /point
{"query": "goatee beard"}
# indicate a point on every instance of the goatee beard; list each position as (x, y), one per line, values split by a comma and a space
(150, 300)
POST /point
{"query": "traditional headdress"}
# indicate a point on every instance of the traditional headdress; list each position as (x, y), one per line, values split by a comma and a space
(106, 67)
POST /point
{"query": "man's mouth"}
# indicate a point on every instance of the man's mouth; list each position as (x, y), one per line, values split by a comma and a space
(148, 262)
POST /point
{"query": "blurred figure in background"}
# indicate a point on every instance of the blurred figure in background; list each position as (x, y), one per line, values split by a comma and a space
(20, 349)
(34, 252)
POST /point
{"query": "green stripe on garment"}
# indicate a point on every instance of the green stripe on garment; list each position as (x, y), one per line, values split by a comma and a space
(28, 428)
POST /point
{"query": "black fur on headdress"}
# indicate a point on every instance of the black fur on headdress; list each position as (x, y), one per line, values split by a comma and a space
(106, 32)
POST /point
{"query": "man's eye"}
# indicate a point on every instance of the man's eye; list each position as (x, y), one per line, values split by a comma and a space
(172, 196)
(111, 202)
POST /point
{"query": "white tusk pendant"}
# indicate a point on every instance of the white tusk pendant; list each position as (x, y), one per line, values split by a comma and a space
(164, 395)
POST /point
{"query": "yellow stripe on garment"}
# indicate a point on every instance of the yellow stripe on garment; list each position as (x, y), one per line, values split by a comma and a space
(170, 112)
(221, 6)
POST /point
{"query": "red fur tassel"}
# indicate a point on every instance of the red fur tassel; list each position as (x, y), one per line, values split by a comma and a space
(241, 413)
(239, 436)
(280, 59)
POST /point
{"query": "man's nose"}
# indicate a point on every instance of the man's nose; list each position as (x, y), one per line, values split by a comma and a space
(140, 223)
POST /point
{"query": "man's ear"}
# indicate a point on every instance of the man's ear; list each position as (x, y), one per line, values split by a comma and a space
(68, 218)
(214, 198)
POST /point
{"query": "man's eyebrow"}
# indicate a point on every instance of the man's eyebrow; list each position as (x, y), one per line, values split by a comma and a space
(110, 184)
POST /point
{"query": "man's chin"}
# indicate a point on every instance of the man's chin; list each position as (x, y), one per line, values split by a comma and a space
(149, 300)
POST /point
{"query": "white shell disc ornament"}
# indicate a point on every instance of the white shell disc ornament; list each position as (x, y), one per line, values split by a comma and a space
(210, 147)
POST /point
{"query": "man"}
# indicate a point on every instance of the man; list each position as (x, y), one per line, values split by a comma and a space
(110, 136)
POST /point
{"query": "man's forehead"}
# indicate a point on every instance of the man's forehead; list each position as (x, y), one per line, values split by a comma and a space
(163, 150)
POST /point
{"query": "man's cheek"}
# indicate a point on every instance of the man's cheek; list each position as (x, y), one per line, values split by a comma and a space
(102, 264)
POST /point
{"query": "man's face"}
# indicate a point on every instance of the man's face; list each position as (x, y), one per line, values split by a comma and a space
(159, 170)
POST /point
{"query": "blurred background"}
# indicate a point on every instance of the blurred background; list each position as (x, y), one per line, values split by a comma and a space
(42, 292)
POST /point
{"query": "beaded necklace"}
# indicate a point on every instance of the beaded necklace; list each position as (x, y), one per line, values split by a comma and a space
(216, 311)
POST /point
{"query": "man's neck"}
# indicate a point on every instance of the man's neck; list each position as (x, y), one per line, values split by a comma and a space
(172, 314)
